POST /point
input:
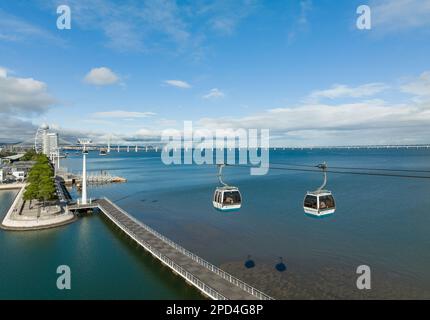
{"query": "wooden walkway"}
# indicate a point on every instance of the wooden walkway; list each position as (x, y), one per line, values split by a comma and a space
(211, 280)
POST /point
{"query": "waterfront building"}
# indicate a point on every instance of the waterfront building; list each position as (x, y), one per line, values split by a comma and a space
(46, 142)
(18, 174)
(23, 166)
(53, 141)
(50, 143)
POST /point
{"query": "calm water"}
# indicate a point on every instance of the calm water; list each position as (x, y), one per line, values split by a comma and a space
(380, 221)
(103, 262)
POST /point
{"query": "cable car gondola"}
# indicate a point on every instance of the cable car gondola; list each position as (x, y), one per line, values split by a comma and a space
(320, 202)
(226, 198)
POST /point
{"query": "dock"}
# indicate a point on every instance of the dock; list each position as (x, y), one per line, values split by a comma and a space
(92, 179)
(206, 277)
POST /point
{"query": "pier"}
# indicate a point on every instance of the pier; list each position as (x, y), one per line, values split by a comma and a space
(93, 178)
(209, 279)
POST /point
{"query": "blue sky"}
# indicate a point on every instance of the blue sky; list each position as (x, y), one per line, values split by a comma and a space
(299, 68)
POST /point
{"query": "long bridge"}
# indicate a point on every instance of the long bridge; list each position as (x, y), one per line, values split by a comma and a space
(209, 279)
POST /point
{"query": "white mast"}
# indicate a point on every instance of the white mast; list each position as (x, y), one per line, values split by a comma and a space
(58, 158)
(84, 143)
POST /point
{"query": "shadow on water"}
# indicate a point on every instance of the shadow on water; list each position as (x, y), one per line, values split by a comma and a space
(151, 265)
(376, 222)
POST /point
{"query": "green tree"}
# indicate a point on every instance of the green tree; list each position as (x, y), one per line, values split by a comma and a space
(46, 189)
(29, 155)
(31, 192)
(41, 180)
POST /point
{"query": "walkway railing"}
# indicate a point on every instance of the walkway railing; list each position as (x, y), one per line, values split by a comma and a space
(180, 270)
(225, 275)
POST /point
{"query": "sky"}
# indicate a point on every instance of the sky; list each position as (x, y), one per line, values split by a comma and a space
(129, 70)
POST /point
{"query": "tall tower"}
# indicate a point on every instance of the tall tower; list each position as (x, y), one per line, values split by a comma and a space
(84, 143)
(52, 142)
(41, 141)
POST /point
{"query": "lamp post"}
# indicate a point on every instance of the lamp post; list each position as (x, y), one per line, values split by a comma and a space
(84, 143)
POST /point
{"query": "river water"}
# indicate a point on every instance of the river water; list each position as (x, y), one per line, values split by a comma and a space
(381, 222)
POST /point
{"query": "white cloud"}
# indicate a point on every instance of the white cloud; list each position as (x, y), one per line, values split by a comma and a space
(344, 91)
(23, 96)
(167, 123)
(223, 17)
(420, 86)
(14, 29)
(214, 93)
(392, 16)
(21, 129)
(147, 133)
(343, 124)
(121, 114)
(178, 83)
(3, 72)
(101, 77)
(157, 25)
(301, 22)
(316, 116)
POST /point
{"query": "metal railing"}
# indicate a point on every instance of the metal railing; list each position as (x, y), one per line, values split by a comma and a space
(225, 275)
(177, 268)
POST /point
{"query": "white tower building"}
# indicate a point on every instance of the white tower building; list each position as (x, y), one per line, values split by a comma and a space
(84, 143)
(52, 142)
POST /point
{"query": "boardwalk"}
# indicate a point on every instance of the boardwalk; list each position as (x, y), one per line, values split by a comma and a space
(208, 278)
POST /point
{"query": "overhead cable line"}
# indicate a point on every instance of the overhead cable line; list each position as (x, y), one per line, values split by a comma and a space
(352, 168)
(343, 172)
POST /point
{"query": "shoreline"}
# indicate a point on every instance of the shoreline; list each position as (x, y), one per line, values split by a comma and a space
(11, 224)
(11, 186)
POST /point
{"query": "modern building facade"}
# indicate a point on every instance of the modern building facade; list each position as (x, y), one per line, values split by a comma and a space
(53, 142)
(50, 142)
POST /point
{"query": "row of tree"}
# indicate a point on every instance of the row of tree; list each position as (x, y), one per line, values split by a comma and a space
(40, 180)
(30, 155)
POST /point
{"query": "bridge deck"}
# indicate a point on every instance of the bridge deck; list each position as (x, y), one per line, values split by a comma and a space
(208, 278)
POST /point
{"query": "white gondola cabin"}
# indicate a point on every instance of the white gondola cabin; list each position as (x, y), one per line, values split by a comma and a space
(320, 203)
(226, 198)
